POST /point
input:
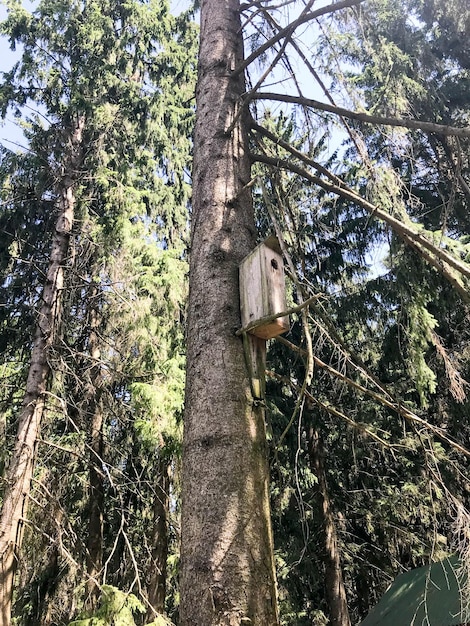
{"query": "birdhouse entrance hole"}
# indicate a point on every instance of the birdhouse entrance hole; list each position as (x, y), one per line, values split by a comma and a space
(263, 290)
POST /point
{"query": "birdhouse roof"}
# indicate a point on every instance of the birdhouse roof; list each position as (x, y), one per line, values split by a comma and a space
(273, 242)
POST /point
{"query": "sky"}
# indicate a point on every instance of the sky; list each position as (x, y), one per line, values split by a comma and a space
(10, 133)
(8, 130)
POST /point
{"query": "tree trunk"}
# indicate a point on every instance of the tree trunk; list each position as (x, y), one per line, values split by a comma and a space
(96, 507)
(227, 564)
(47, 579)
(334, 583)
(94, 416)
(161, 514)
(20, 471)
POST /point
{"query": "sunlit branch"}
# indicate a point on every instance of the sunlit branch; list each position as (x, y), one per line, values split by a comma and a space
(397, 225)
(289, 30)
(271, 318)
(299, 155)
(429, 127)
(396, 407)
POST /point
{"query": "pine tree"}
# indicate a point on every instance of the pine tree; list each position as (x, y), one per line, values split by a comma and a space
(390, 321)
(227, 567)
(106, 65)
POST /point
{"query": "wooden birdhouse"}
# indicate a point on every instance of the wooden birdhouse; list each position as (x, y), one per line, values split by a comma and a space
(263, 290)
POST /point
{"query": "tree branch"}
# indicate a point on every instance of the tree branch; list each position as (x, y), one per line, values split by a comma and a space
(441, 267)
(296, 153)
(396, 407)
(258, 4)
(288, 30)
(456, 167)
(270, 318)
(401, 229)
(329, 409)
(428, 127)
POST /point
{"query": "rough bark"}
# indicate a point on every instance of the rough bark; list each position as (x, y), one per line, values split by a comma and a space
(20, 471)
(161, 514)
(41, 603)
(96, 506)
(334, 583)
(227, 568)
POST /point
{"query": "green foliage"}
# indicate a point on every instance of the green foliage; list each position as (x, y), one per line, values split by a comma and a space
(116, 609)
(128, 68)
(421, 327)
(393, 330)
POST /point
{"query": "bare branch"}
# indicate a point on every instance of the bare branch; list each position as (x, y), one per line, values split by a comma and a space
(329, 409)
(271, 318)
(288, 30)
(257, 4)
(398, 408)
(399, 227)
(428, 127)
(299, 155)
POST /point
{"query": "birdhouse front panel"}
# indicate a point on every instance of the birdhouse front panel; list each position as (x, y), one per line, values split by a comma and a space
(263, 291)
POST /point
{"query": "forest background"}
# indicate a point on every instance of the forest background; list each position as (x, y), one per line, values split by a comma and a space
(124, 217)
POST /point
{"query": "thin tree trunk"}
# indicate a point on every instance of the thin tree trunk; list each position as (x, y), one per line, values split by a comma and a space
(48, 578)
(20, 471)
(96, 508)
(335, 590)
(227, 564)
(94, 416)
(161, 514)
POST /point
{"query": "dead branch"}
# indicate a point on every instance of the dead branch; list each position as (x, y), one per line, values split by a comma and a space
(396, 407)
(400, 228)
(329, 409)
(429, 127)
(289, 30)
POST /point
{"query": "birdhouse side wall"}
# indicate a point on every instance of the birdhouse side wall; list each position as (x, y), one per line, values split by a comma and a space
(262, 291)
(250, 282)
